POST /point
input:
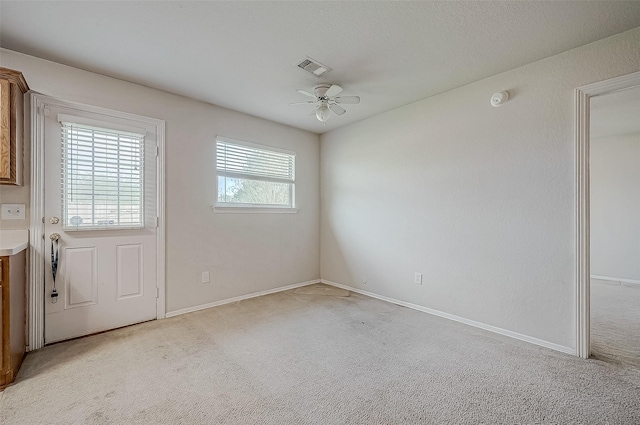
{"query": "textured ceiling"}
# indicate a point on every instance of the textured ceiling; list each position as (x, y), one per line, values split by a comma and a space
(242, 55)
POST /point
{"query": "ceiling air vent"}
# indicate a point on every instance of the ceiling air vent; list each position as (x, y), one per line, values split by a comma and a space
(313, 67)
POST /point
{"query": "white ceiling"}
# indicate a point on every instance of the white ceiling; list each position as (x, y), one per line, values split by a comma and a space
(242, 55)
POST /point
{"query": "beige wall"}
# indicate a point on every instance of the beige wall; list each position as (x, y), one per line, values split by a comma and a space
(615, 207)
(478, 199)
(245, 253)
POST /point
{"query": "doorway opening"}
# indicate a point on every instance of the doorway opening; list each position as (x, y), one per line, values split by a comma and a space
(614, 136)
(602, 134)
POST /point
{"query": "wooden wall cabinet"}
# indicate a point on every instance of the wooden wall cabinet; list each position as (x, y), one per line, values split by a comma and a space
(13, 316)
(12, 89)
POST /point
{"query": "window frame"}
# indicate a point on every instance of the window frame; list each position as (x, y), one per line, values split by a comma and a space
(230, 207)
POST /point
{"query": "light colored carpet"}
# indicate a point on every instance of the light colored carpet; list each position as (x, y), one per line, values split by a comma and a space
(615, 322)
(320, 289)
(292, 358)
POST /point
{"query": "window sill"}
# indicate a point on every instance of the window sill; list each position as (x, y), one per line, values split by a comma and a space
(253, 210)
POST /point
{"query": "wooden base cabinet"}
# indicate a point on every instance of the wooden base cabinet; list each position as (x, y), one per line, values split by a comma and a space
(13, 317)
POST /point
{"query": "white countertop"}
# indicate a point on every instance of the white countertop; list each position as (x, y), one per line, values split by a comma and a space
(13, 241)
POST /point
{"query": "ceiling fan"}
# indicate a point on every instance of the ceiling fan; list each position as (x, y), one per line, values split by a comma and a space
(326, 99)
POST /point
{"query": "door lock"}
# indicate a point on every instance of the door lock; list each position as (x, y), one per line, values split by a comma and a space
(54, 220)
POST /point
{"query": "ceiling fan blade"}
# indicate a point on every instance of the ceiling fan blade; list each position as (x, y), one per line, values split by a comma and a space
(348, 99)
(306, 93)
(337, 109)
(333, 90)
(303, 103)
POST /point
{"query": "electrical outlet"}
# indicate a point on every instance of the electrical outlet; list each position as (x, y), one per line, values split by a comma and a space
(13, 211)
(417, 278)
(205, 277)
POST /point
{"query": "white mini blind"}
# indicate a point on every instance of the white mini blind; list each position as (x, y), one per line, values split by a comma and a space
(102, 178)
(251, 175)
(237, 160)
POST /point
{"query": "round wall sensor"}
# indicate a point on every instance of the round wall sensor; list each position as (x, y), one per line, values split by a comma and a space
(499, 98)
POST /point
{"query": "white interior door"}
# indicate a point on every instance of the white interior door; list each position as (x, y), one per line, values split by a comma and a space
(100, 222)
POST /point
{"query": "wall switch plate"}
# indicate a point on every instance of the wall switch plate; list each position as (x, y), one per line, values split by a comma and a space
(417, 278)
(205, 277)
(13, 211)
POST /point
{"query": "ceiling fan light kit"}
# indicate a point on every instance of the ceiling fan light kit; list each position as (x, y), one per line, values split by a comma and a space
(322, 113)
(326, 100)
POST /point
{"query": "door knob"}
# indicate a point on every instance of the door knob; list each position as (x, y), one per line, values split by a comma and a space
(54, 236)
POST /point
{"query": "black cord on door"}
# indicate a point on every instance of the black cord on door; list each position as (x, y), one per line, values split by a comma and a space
(54, 265)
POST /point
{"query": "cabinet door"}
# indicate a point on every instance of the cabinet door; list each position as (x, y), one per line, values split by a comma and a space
(5, 130)
(12, 89)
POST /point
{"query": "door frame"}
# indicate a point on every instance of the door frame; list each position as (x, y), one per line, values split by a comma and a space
(583, 97)
(36, 296)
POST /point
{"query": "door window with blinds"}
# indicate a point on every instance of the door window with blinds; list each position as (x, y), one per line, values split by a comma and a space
(251, 175)
(102, 178)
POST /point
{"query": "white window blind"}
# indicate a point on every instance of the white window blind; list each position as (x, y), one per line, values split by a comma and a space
(252, 175)
(102, 178)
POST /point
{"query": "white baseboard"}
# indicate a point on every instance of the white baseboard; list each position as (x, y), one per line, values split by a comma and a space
(240, 298)
(616, 279)
(469, 322)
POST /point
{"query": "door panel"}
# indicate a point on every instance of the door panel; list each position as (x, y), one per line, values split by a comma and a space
(130, 266)
(80, 277)
(105, 278)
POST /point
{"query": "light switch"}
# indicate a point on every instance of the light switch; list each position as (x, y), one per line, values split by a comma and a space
(13, 211)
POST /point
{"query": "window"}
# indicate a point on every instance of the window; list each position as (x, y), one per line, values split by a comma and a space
(102, 177)
(251, 175)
